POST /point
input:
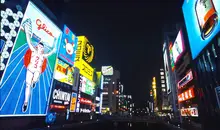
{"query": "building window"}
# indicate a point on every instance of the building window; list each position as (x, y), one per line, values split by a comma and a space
(163, 86)
(164, 90)
(162, 81)
(162, 77)
(161, 73)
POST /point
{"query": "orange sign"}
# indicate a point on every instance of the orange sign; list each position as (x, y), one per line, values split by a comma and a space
(188, 94)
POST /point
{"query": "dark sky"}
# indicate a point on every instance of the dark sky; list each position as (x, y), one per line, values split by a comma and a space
(125, 34)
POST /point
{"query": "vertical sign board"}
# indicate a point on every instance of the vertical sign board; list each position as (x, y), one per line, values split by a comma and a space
(84, 55)
(26, 81)
(64, 72)
(73, 102)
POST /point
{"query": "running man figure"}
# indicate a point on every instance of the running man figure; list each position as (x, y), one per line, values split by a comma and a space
(34, 68)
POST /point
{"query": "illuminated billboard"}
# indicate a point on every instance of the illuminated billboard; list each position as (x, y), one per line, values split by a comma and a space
(86, 70)
(85, 50)
(84, 55)
(107, 70)
(73, 102)
(189, 112)
(202, 22)
(68, 46)
(60, 96)
(86, 86)
(171, 56)
(185, 80)
(178, 47)
(64, 72)
(186, 95)
(11, 18)
(26, 81)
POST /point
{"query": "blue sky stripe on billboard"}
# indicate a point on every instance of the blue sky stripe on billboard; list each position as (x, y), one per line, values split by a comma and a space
(45, 91)
(11, 88)
(35, 98)
(19, 97)
(21, 101)
(12, 57)
(30, 101)
(10, 73)
(47, 76)
(50, 68)
(13, 97)
(39, 98)
(43, 97)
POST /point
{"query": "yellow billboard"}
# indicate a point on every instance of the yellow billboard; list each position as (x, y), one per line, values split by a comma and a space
(84, 55)
(85, 50)
(85, 69)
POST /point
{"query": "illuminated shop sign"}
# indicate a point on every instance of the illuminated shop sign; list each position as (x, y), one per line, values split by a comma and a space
(85, 101)
(60, 96)
(86, 86)
(73, 102)
(188, 94)
(189, 112)
(83, 110)
(185, 80)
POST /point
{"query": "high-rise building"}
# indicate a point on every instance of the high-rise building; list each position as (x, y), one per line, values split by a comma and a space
(110, 92)
(162, 91)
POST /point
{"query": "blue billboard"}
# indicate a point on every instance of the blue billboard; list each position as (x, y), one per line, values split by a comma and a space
(26, 82)
(68, 46)
(202, 22)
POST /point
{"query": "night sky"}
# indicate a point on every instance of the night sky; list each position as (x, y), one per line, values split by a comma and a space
(126, 35)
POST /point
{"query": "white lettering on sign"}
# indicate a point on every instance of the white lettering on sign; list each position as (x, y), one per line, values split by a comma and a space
(60, 95)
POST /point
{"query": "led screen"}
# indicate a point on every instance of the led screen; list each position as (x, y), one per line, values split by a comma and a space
(68, 46)
(202, 22)
(87, 86)
(64, 72)
(25, 84)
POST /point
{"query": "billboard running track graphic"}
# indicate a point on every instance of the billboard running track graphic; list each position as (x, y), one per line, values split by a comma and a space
(26, 83)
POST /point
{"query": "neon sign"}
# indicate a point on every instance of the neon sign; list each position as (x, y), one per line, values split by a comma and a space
(188, 94)
(189, 112)
(185, 80)
(85, 101)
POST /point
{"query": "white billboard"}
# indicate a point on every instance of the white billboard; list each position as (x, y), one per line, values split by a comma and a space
(107, 70)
